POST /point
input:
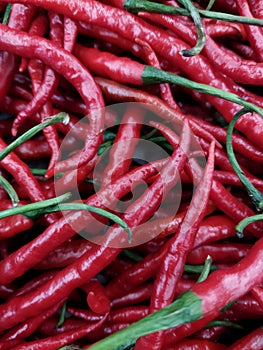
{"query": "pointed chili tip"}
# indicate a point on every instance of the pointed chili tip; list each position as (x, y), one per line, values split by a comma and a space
(14, 130)
(50, 173)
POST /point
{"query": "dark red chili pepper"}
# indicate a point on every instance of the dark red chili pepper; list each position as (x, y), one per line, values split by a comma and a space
(136, 296)
(153, 61)
(122, 151)
(23, 177)
(6, 291)
(64, 254)
(35, 283)
(70, 34)
(254, 33)
(220, 253)
(210, 333)
(50, 328)
(29, 46)
(257, 292)
(20, 18)
(254, 341)
(32, 253)
(96, 297)
(28, 327)
(244, 50)
(240, 70)
(123, 93)
(88, 265)
(174, 260)
(194, 344)
(10, 344)
(58, 341)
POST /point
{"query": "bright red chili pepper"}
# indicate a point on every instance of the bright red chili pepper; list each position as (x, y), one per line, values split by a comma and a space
(96, 297)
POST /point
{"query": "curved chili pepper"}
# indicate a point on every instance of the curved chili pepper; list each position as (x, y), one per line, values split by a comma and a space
(197, 345)
(28, 327)
(210, 333)
(20, 19)
(28, 46)
(137, 296)
(255, 34)
(257, 292)
(254, 340)
(123, 93)
(122, 151)
(65, 254)
(220, 253)
(172, 266)
(96, 297)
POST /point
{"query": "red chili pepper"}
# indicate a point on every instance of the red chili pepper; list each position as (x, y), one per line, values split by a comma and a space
(220, 253)
(254, 341)
(123, 93)
(20, 19)
(24, 177)
(210, 333)
(32, 253)
(136, 296)
(28, 327)
(29, 46)
(96, 297)
(254, 33)
(65, 254)
(257, 292)
(122, 151)
(174, 260)
(194, 344)
(57, 341)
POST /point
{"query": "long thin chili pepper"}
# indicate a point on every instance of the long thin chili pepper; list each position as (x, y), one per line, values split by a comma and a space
(254, 340)
(255, 34)
(55, 342)
(124, 145)
(172, 266)
(20, 19)
(82, 81)
(28, 327)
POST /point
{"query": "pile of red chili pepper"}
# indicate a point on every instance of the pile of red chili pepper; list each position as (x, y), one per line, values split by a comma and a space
(195, 281)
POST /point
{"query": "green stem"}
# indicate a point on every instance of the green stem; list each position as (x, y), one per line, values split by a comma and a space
(7, 14)
(187, 308)
(33, 210)
(210, 5)
(245, 222)
(223, 323)
(206, 269)
(136, 6)
(255, 195)
(10, 190)
(201, 39)
(153, 75)
(38, 172)
(99, 211)
(62, 316)
(58, 118)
